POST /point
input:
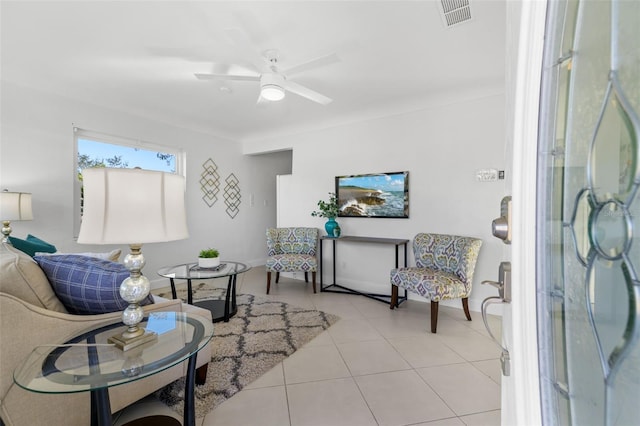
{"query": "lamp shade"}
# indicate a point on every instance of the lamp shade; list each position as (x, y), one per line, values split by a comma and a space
(132, 206)
(15, 206)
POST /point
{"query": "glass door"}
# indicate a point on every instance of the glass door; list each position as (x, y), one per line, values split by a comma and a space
(588, 286)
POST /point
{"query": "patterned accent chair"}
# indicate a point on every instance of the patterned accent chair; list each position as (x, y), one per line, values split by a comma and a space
(444, 270)
(290, 250)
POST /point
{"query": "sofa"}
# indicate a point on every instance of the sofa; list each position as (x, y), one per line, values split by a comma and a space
(30, 315)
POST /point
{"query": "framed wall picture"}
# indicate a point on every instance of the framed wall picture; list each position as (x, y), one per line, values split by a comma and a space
(381, 195)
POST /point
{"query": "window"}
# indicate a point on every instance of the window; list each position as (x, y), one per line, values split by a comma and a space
(100, 150)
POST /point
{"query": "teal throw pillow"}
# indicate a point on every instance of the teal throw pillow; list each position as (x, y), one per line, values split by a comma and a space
(32, 245)
(34, 239)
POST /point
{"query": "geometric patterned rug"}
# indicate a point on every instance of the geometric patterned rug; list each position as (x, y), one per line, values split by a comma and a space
(262, 334)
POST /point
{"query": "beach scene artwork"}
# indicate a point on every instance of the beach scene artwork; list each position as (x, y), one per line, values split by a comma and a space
(373, 195)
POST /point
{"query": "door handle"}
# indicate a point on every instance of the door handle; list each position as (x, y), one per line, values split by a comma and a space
(504, 282)
(504, 296)
(505, 359)
(496, 284)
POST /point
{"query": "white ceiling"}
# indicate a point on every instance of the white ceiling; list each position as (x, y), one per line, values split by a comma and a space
(140, 57)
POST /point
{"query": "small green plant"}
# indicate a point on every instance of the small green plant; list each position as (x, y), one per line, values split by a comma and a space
(327, 209)
(209, 253)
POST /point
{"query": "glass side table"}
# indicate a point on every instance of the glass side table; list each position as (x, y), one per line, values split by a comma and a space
(221, 310)
(87, 363)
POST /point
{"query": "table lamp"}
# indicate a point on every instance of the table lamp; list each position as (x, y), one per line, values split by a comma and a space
(134, 207)
(13, 206)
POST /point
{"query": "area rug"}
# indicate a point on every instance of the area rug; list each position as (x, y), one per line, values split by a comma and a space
(262, 334)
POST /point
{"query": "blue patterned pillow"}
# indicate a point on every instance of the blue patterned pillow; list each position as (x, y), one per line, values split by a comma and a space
(86, 285)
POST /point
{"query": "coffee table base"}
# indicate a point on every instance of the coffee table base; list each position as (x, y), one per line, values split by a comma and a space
(154, 421)
(216, 307)
(221, 309)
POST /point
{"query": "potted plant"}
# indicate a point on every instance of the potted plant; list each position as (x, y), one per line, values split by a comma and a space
(209, 258)
(329, 209)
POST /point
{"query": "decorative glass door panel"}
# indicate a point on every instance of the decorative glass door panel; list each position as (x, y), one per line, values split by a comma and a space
(589, 221)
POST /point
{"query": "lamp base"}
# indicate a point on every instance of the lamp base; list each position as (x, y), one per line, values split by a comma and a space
(126, 343)
(6, 231)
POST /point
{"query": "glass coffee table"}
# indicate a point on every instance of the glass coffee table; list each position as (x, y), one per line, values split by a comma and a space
(221, 310)
(87, 363)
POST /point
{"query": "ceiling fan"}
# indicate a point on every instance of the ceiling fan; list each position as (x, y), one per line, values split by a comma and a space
(274, 83)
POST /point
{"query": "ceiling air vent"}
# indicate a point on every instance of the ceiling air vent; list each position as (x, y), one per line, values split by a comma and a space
(454, 12)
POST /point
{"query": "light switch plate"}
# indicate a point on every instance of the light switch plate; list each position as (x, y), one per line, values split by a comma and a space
(487, 175)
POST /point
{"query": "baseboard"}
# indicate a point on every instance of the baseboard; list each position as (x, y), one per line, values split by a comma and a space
(475, 305)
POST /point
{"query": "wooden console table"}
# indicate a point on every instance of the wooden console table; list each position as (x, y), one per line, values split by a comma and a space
(385, 298)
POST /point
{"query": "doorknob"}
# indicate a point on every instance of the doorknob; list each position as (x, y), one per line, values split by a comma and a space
(501, 227)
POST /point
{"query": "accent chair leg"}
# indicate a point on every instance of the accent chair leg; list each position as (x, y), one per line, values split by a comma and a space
(394, 296)
(201, 374)
(277, 277)
(465, 306)
(434, 316)
(313, 279)
(306, 277)
(268, 281)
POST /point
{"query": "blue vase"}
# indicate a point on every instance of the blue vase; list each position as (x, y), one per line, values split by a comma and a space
(332, 228)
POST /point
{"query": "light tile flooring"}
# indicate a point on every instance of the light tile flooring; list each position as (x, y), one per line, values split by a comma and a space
(373, 367)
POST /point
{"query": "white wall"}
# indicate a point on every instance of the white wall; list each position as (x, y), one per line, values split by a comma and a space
(37, 156)
(441, 147)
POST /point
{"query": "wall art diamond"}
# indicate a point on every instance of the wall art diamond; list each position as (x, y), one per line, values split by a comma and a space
(232, 195)
(210, 182)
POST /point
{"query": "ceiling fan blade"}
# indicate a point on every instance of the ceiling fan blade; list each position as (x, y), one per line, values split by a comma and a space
(312, 64)
(305, 92)
(227, 77)
(248, 50)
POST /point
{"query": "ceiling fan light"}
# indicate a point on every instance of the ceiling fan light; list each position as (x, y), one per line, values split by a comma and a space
(272, 92)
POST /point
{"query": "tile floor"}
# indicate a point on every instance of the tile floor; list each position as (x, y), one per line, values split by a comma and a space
(373, 367)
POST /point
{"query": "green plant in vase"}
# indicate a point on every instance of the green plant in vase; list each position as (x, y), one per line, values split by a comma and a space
(329, 209)
(209, 258)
